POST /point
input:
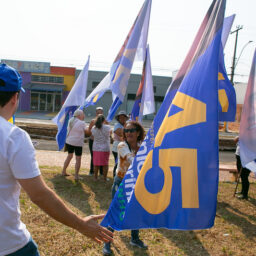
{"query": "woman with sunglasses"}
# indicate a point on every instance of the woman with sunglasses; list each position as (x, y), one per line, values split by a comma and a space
(133, 134)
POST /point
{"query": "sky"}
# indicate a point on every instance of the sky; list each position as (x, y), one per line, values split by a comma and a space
(65, 32)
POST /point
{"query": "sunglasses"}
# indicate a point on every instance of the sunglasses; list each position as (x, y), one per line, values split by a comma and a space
(130, 130)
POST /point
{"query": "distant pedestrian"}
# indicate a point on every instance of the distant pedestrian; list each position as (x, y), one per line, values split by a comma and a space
(121, 118)
(99, 111)
(101, 146)
(244, 173)
(75, 141)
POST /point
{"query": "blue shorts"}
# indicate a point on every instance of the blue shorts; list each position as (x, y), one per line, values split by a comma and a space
(30, 249)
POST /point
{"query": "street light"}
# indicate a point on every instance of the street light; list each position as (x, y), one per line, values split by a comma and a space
(235, 64)
(241, 53)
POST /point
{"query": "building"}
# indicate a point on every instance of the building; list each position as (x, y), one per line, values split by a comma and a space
(47, 87)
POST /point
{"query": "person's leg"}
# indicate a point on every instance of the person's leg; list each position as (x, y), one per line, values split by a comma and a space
(135, 240)
(77, 166)
(105, 172)
(238, 167)
(115, 157)
(78, 152)
(91, 152)
(101, 170)
(96, 169)
(107, 246)
(66, 163)
(245, 182)
(30, 249)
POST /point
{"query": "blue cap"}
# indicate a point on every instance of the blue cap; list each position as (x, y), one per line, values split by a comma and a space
(10, 79)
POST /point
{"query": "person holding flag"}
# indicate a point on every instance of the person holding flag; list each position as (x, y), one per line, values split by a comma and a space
(173, 180)
(133, 135)
(75, 141)
(73, 101)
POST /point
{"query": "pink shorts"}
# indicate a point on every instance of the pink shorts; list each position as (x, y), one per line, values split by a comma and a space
(100, 158)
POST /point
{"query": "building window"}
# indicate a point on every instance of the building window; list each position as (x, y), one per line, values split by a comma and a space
(48, 79)
(154, 89)
(94, 84)
(45, 101)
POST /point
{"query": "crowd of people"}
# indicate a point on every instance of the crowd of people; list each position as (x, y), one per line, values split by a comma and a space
(19, 168)
(127, 137)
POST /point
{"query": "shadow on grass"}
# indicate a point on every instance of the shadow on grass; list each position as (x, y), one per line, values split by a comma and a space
(233, 215)
(72, 192)
(135, 250)
(252, 201)
(100, 189)
(78, 193)
(187, 241)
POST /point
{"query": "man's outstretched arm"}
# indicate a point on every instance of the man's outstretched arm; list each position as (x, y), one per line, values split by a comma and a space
(48, 201)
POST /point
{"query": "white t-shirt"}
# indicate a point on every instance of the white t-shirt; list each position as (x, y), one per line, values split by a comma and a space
(17, 161)
(101, 138)
(76, 135)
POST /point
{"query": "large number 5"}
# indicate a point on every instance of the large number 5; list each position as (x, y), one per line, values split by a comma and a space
(194, 111)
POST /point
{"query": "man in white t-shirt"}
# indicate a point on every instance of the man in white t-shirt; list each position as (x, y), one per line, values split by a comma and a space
(19, 168)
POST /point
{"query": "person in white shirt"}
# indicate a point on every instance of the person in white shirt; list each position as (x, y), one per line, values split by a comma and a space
(101, 133)
(75, 141)
(19, 168)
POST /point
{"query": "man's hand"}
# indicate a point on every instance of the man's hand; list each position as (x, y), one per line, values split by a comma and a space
(93, 230)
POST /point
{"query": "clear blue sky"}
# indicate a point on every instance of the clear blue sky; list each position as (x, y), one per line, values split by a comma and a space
(65, 32)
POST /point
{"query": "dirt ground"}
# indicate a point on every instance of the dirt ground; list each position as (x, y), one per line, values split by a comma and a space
(47, 155)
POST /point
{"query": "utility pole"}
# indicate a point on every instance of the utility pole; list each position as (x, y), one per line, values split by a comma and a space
(234, 56)
(233, 66)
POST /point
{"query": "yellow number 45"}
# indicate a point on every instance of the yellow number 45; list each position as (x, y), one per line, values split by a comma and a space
(193, 112)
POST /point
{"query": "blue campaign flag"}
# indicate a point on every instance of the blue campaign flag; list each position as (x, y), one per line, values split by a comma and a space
(144, 102)
(117, 79)
(121, 69)
(173, 180)
(74, 100)
(227, 94)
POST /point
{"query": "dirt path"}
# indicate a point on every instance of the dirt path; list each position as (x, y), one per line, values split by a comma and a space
(47, 155)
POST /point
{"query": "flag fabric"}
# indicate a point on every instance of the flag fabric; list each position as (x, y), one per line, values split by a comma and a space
(227, 94)
(12, 120)
(117, 79)
(144, 102)
(173, 180)
(74, 100)
(247, 134)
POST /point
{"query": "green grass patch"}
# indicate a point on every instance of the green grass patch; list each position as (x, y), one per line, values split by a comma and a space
(234, 232)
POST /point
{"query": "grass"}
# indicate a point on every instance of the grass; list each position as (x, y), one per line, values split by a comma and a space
(234, 232)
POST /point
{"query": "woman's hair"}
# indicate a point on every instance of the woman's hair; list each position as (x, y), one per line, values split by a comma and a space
(139, 128)
(99, 121)
(77, 113)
